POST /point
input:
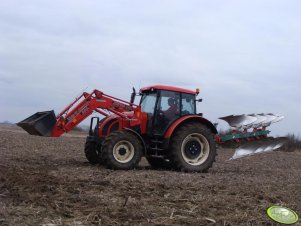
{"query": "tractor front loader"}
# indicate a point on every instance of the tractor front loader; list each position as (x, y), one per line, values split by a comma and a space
(164, 128)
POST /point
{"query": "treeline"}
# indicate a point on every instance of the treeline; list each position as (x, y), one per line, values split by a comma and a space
(293, 143)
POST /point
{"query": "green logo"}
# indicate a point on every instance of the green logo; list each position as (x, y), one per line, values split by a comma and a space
(282, 215)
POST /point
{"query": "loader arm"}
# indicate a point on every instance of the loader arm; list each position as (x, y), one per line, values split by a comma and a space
(77, 111)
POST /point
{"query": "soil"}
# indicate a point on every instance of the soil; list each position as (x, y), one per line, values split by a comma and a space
(48, 181)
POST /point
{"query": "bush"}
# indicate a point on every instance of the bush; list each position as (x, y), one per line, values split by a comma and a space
(293, 143)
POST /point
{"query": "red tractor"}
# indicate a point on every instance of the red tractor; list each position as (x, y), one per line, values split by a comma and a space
(164, 128)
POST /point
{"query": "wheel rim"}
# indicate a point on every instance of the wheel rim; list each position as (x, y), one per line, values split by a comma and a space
(123, 151)
(195, 149)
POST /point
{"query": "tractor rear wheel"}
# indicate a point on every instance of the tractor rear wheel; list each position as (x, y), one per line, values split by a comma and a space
(159, 163)
(193, 148)
(121, 150)
(92, 152)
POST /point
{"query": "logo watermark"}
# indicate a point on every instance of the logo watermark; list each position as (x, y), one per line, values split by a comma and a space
(282, 215)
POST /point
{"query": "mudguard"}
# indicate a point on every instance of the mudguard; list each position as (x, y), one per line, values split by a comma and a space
(189, 118)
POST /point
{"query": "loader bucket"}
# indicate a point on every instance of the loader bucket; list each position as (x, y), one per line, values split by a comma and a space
(39, 124)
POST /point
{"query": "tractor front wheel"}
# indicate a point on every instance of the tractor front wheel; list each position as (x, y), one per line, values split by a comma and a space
(92, 152)
(193, 148)
(121, 150)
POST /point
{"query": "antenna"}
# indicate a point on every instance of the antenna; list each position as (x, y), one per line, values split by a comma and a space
(83, 90)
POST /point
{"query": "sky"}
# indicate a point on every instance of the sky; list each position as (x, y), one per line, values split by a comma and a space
(245, 56)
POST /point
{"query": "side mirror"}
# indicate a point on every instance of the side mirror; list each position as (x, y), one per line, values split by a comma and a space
(133, 95)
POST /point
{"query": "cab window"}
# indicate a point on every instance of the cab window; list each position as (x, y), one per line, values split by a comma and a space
(188, 104)
(169, 104)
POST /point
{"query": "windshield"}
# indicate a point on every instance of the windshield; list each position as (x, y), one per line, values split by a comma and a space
(148, 102)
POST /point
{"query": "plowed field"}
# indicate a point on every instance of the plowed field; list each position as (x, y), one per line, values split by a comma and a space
(48, 181)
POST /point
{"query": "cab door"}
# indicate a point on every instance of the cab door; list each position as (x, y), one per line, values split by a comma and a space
(167, 111)
(148, 105)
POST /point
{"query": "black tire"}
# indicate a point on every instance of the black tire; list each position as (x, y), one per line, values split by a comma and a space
(92, 152)
(121, 150)
(193, 148)
(159, 163)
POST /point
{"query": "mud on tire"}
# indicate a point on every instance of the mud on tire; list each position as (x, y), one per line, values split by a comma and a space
(193, 148)
(121, 150)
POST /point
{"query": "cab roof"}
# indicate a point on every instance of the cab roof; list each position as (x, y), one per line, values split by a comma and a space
(169, 88)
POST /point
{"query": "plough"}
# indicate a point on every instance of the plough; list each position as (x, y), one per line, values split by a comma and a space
(258, 140)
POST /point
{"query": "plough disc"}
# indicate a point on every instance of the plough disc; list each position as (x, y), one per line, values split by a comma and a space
(239, 121)
(256, 147)
(242, 122)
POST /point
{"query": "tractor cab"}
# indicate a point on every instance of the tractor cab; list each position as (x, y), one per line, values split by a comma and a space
(164, 105)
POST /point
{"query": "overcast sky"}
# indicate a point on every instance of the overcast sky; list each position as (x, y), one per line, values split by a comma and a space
(245, 56)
